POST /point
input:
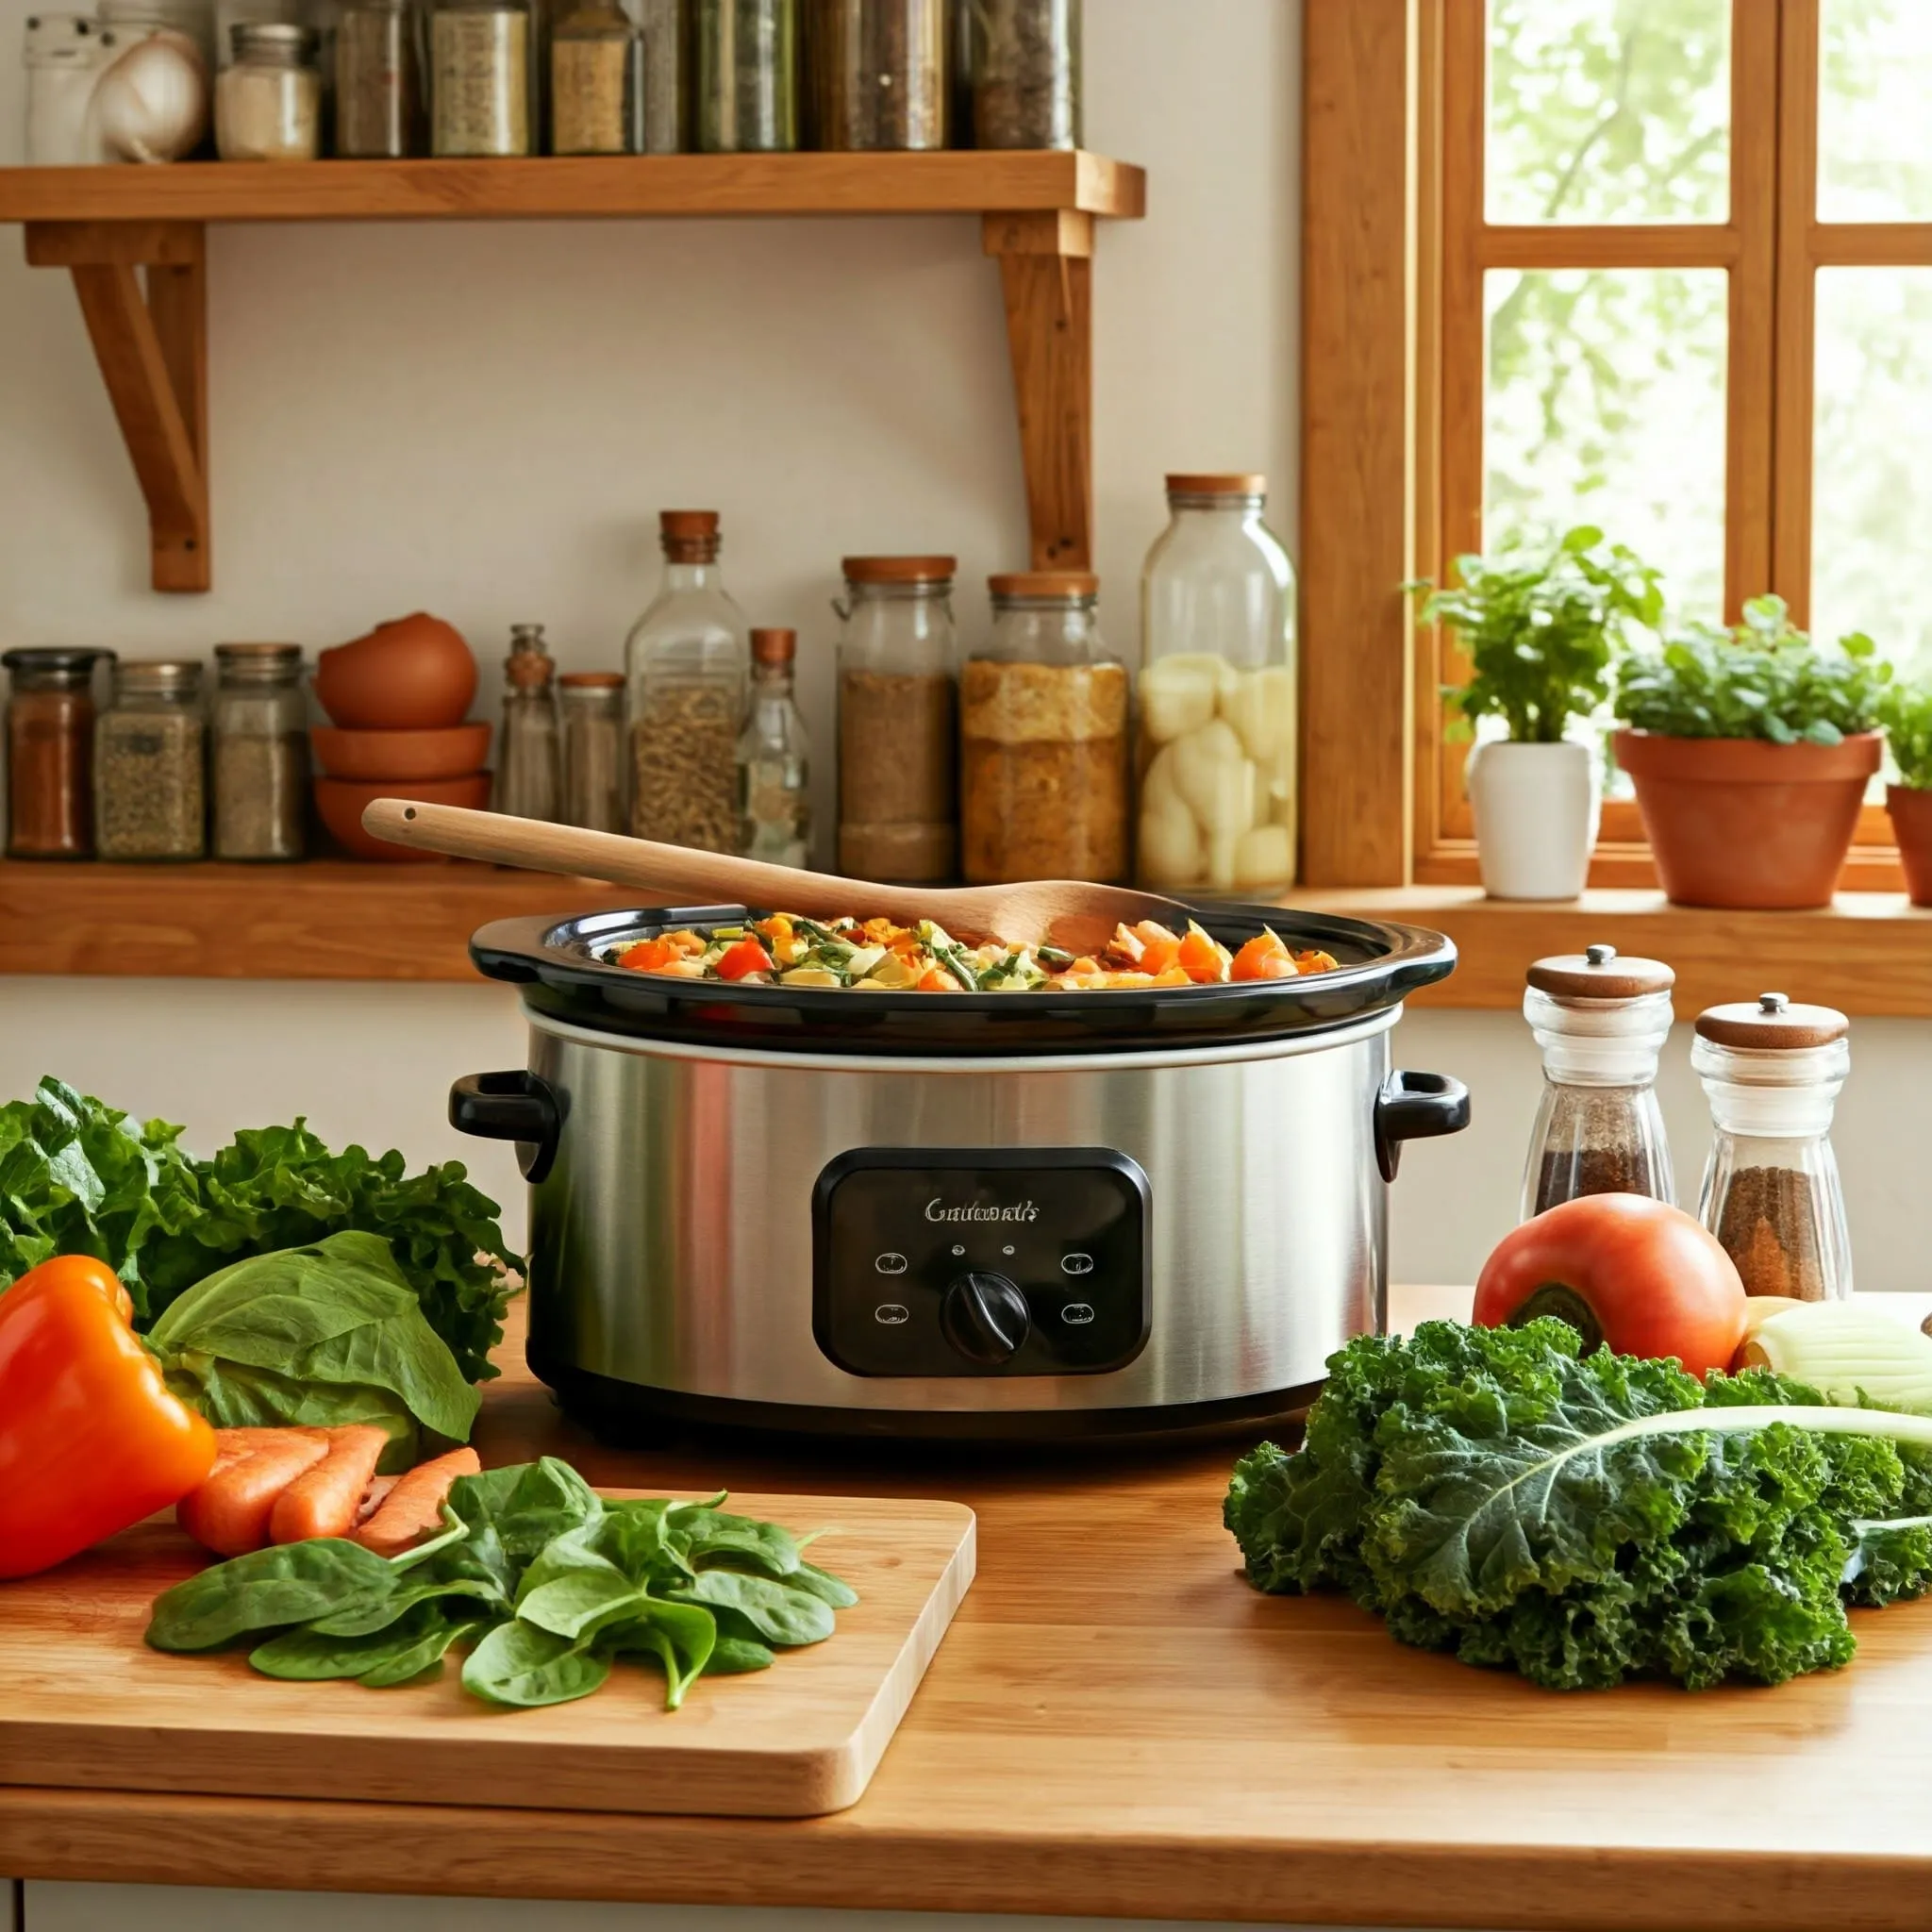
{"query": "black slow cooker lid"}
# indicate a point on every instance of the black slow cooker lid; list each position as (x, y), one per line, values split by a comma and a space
(561, 965)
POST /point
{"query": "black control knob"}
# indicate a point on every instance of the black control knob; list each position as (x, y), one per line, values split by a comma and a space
(985, 1317)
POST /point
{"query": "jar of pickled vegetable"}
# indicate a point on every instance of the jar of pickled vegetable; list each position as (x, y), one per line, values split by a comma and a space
(1044, 738)
(1216, 757)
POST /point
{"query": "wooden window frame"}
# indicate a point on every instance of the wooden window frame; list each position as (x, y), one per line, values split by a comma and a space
(1395, 244)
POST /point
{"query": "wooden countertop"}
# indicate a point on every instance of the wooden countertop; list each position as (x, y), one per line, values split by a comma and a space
(1116, 1724)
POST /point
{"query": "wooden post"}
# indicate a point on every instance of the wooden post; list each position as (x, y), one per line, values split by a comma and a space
(1046, 268)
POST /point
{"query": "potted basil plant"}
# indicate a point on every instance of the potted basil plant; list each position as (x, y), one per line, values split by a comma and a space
(1540, 628)
(1905, 712)
(1751, 750)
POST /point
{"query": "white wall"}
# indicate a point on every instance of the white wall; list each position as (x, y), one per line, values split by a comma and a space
(483, 421)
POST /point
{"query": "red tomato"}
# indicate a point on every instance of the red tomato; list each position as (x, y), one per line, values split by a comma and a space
(745, 958)
(1623, 1269)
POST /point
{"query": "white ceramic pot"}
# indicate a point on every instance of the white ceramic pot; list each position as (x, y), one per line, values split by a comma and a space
(1537, 808)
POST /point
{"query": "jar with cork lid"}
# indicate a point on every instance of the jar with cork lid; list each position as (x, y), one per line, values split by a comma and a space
(1601, 1021)
(773, 770)
(527, 774)
(1773, 1072)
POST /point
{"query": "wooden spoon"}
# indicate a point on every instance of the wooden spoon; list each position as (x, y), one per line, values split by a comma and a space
(1061, 912)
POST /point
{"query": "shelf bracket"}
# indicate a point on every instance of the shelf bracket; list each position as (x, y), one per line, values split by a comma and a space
(152, 348)
(1046, 270)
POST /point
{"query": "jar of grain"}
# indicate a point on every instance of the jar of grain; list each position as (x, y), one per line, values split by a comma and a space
(50, 742)
(479, 77)
(1025, 72)
(378, 82)
(744, 75)
(592, 708)
(1601, 1021)
(1773, 1072)
(595, 93)
(898, 693)
(879, 73)
(149, 795)
(268, 100)
(259, 756)
(1044, 738)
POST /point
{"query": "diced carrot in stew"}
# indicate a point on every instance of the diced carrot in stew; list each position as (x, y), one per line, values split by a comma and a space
(1201, 959)
(936, 981)
(1156, 956)
(648, 956)
(742, 960)
(1264, 958)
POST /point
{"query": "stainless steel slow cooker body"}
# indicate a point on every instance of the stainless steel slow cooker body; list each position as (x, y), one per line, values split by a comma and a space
(1011, 1243)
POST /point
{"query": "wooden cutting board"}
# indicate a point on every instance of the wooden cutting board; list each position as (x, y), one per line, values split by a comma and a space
(85, 1702)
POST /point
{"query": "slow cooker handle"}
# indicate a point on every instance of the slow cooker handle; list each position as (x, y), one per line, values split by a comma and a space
(1416, 1107)
(515, 1106)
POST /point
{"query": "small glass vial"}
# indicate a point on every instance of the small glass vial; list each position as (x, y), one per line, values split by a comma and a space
(1025, 72)
(50, 745)
(259, 756)
(878, 73)
(665, 115)
(480, 70)
(591, 703)
(596, 99)
(378, 82)
(1771, 1192)
(150, 798)
(898, 729)
(774, 805)
(1601, 1021)
(1044, 738)
(744, 75)
(268, 101)
(527, 766)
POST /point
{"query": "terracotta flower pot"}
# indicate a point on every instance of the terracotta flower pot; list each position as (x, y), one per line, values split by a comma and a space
(1911, 819)
(1740, 822)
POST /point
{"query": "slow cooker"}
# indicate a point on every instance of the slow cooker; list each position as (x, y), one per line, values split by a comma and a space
(1014, 1215)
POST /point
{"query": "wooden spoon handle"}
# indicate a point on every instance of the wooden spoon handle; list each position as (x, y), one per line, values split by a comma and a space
(675, 873)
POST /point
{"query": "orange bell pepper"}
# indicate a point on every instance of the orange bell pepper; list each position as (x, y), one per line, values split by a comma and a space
(90, 1440)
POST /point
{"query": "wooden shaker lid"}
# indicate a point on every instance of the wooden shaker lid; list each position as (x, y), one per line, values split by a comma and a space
(1216, 483)
(900, 569)
(1598, 972)
(1772, 1020)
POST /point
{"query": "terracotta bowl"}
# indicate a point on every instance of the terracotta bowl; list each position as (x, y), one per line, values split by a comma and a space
(341, 802)
(413, 674)
(393, 756)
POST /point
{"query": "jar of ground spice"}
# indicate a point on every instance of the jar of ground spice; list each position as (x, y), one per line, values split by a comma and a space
(878, 73)
(1025, 72)
(50, 742)
(1771, 1072)
(260, 755)
(149, 795)
(898, 727)
(1044, 738)
(1601, 1021)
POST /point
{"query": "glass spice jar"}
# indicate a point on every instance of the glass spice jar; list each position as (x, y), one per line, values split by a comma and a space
(260, 752)
(528, 776)
(150, 797)
(268, 100)
(50, 742)
(744, 75)
(1601, 1021)
(1771, 1192)
(662, 83)
(591, 703)
(898, 731)
(1044, 738)
(773, 773)
(378, 82)
(1025, 72)
(595, 93)
(479, 77)
(879, 73)
(686, 660)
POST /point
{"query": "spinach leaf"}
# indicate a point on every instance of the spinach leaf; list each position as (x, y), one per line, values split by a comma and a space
(733, 1657)
(681, 1637)
(291, 1583)
(526, 1505)
(702, 1532)
(581, 1602)
(824, 1585)
(428, 1651)
(381, 1613)
(519, 1664)
(776, 1612)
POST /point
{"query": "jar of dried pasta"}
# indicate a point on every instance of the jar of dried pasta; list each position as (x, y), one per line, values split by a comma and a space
(1043, 752)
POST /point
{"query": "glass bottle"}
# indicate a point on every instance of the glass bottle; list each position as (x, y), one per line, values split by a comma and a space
(744, 75)
(150, 797)
(1025, 72)
(1216, 760)
(50, 744)
(1601, 1021)
(268, 101)
(898, 731)
(595, 85)
(1044, 738)
(528, 777)
(378, 82)
(686, 661)
(660, 32)
(591, 703)
(481, 77)
(773, 803)
(260, 752)
(1771, 1192)
(879, 73)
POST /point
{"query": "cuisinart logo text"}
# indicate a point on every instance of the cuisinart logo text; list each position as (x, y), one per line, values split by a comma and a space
(1020, 1211)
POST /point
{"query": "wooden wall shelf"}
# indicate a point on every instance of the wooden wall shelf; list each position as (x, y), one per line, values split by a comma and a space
(109, 225)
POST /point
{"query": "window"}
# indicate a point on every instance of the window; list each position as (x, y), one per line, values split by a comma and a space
(1676, 281)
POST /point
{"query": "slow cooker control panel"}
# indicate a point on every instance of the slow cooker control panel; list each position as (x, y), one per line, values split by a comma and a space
(980, 1261)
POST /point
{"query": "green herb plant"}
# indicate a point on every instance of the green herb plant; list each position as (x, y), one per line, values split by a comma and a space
(1765, 679)
(1541, 629)
(1906, 711)
(545, 1584)
(1499, 1495)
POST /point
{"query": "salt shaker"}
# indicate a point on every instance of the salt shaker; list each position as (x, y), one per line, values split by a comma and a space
(1771, 1193)
(1601, 1021)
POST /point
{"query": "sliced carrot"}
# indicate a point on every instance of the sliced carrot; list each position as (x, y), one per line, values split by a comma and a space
(936, 981)
(1264, 956)
(229, 1513)
(648, 956)
(323, 1500)
(414, 1507)
(1156, 956)
(1201, 959)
